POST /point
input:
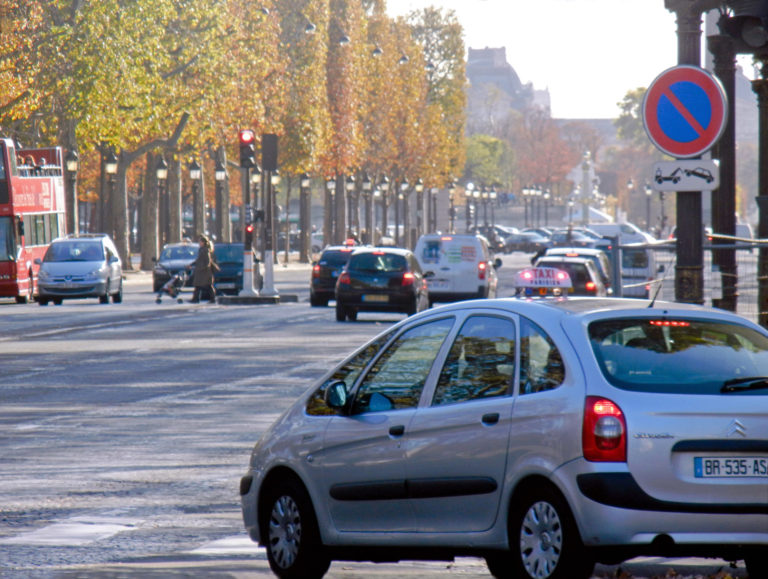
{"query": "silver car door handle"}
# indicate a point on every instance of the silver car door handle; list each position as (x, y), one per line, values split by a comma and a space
(398, 430)
(490, 418)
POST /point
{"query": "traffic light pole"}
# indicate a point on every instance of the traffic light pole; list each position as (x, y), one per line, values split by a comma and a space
(248, 269)
(269, 250)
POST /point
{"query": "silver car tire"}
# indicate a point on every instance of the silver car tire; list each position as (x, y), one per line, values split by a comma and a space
(291, 534)
(104, 299)
(544, 541)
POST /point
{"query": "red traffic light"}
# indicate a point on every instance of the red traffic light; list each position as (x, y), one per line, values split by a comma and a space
(247, 137)
(249, 228)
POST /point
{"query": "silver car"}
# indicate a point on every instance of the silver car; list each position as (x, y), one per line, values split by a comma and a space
(544, 434)
(80, 266)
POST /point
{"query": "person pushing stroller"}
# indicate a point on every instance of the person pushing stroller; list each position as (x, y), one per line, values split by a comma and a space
(204, 267)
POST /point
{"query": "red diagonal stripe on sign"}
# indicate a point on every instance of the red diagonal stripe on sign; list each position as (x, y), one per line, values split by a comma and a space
(681, 108)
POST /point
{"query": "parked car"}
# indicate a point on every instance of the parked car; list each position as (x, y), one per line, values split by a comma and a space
(378, 279)
(526, 242)
(230, 258)
(571, 238)
(325, 273)
(80, 266)
(543, 434)
(175, 258)
(585, 278)
(458, 267)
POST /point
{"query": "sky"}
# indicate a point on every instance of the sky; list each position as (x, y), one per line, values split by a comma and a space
(588, 53)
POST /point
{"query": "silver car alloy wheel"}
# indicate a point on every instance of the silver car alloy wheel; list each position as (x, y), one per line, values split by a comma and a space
(541, 540)
(285, 531)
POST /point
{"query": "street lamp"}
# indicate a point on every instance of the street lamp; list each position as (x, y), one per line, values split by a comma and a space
(493, 196)
(161, 173)
(648, 195)
(485, 194)
(222, 207)
(304, 217)
(198, 207)
(526, 196)
(72, 164)
(329, 219)
(433, 213)
(452, 208)
(349, 187)
(404, 186)
(468, 204)
(547, 197)
(367, 187)
(475, 198)
(384, 186)
(419, 206)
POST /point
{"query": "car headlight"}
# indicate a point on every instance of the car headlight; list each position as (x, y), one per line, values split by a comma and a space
(42, 274)
(95, 274)
(161, 271)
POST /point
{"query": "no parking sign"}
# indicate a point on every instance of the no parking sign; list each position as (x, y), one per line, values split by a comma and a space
(685, 111)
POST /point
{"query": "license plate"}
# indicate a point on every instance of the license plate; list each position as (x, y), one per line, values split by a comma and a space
(375, 298)
(225, 285)
(730, 467)
(437, 284)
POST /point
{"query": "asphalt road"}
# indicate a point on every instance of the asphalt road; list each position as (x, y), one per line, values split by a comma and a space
(126, 427)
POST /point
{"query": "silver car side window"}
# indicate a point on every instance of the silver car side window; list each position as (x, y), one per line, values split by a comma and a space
(348, 373)
(397, 378)
(481, 362)
(541, 365)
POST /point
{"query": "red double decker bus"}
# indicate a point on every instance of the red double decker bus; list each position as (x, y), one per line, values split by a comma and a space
(32, 213)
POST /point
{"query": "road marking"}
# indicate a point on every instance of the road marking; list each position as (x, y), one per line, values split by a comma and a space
(73, 532)
(232, 545)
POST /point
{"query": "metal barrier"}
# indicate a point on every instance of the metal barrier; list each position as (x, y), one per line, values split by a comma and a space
(747, 254)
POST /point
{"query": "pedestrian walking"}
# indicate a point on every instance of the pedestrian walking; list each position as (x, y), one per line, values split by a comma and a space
(204, 268)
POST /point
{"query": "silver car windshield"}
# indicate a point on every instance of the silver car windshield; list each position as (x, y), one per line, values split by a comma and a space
(685, 356)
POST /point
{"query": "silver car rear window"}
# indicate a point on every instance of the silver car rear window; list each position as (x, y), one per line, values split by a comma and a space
(671, 355)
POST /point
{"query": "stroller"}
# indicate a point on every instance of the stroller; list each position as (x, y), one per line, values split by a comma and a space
(173, 287)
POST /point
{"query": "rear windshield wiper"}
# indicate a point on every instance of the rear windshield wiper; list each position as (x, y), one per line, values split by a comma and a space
(741, 384)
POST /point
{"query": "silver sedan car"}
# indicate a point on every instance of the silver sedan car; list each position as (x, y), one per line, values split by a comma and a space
(542, 433)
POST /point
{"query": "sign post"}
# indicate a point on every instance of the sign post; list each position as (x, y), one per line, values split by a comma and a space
(685, 112)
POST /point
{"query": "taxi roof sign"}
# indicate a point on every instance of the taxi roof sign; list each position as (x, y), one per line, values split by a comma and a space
(543, 277)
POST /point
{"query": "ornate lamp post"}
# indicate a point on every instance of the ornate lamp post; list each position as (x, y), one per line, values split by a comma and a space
(349, 187)
(419, 207)
(367, 188)
(475, 198)
(304, 218)
(493, 196)
(398, 204)
(485, 195)
(110, 167)
(330, 211)
(195, 174)
(384, 186)
(526, 195)
(648, 195)
(468, 204)
(72, 164)
(433, 211)
(451, 208)
(161, 172)
(222, 206)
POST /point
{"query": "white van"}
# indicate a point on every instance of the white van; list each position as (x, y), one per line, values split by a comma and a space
(457, 267)
(639, 271)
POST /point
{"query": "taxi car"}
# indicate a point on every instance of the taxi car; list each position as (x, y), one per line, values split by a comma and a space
(542, 433)
(586, 279)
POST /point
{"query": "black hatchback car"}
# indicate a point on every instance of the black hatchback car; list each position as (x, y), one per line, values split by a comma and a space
(325, 272)
(380, 279)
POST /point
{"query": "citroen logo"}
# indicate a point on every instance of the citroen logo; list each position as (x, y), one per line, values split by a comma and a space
(736, 427)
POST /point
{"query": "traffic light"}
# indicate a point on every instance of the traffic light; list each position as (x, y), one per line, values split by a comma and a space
(247, 152)
(249, 236)
(748, 25)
